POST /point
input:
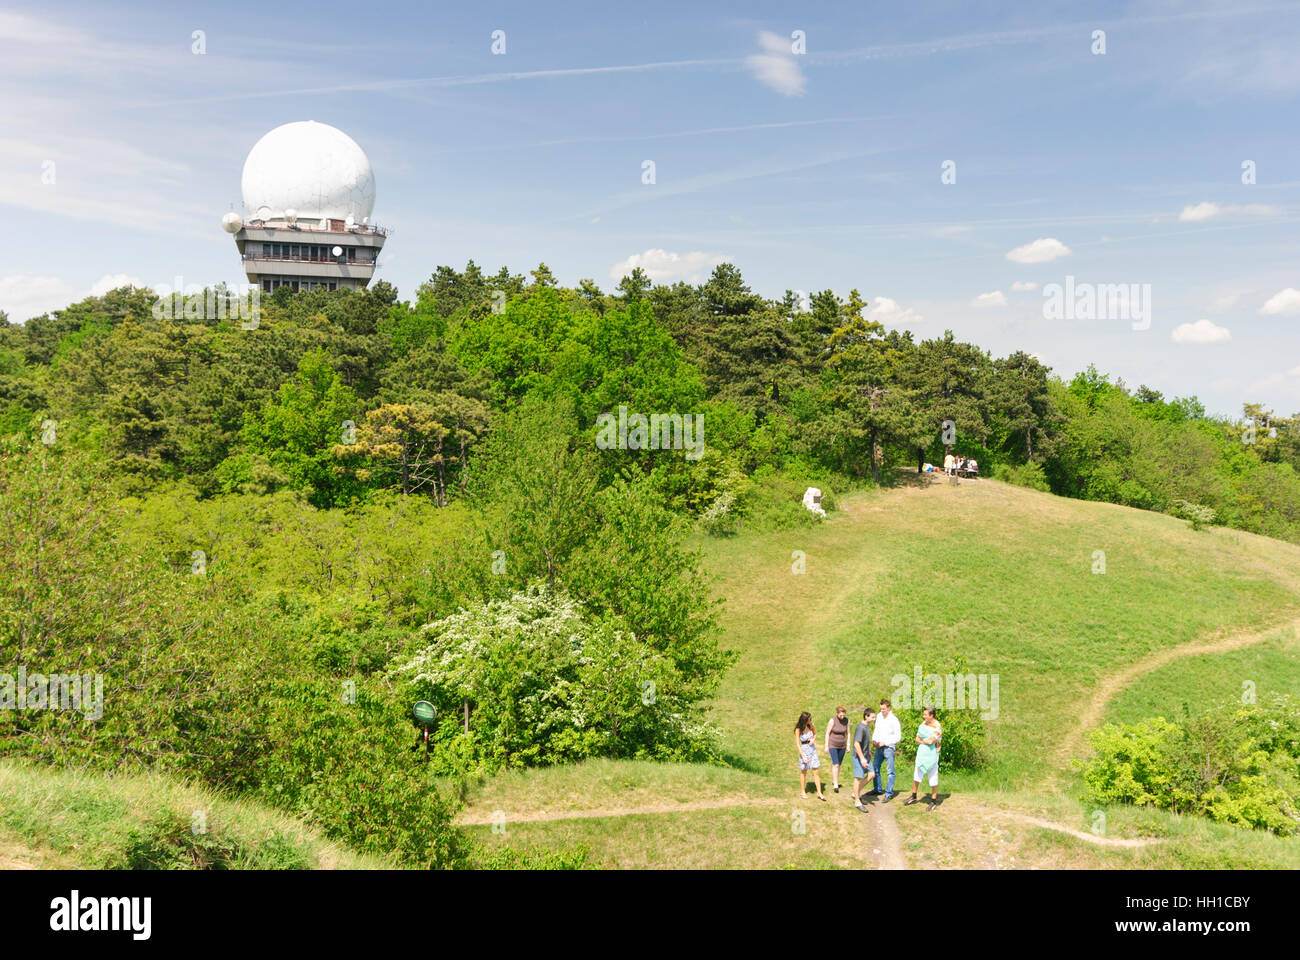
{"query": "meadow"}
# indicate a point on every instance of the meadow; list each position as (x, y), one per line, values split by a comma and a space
(917, 574)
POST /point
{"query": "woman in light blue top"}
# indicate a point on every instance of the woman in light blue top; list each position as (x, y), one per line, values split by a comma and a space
(928, 736)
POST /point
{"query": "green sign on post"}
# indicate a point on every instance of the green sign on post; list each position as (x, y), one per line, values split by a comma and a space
(424, 713)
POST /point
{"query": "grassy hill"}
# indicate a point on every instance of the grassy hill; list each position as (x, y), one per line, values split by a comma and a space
(52, 818)
(915, 575)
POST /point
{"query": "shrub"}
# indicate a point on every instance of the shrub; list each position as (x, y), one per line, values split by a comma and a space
(720, 517)
(1233, 764)
(1198, 514)
(548, 683)
(774, 501)
(964, 738)
(169, 842)
(965, 735)
(1029, 475)
(345, 763)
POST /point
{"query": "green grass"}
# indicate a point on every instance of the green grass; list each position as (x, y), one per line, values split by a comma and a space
(919, 574)
(999, 575)
(1269, 669)
(73, 819)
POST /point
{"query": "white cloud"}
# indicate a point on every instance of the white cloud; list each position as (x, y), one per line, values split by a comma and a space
(890, 313)
(1293, 372)
(1202, 331)
(1042, 250)
(111, 281)
(1284, 303)
(26, 295)
(776, 68)
(995, 299)
(1200, 212)
(664, 266)
(1023, 286)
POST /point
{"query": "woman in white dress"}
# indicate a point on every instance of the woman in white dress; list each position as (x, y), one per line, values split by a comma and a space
(805, 744)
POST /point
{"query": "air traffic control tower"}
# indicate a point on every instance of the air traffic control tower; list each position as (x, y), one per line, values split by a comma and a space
(308, 197)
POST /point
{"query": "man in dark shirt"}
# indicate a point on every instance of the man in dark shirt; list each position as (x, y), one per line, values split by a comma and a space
(862, 755)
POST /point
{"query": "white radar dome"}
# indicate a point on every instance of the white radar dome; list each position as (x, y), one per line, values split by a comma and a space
(232, 222)
(309, 170)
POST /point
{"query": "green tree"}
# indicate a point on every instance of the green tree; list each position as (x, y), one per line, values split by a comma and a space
(298, 432)
(749, 354)
(1021, 402)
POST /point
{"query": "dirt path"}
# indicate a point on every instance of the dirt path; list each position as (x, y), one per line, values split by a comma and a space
(1074, 742)
(16, 856)
(884, 839)
(882, 846)
(541, 816)
(1080, 834)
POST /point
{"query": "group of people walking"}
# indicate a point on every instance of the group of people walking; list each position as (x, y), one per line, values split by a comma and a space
(871, 750)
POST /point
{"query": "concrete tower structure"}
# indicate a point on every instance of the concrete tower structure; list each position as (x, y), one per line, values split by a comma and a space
(308, 197)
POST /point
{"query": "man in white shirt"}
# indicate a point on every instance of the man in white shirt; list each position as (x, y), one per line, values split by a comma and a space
(884, 737)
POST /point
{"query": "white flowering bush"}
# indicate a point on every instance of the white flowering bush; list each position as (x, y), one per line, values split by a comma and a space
(545, 683)
(720, 518)
(1199, 515)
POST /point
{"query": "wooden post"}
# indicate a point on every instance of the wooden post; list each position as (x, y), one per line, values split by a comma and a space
(467, 716)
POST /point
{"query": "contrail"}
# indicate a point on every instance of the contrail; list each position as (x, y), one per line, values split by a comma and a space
(828, 58)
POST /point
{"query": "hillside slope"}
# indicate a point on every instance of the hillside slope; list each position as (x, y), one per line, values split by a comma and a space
(69, 819)
(915, 576)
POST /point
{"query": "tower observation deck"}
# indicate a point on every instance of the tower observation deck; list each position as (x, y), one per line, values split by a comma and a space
(308, 193)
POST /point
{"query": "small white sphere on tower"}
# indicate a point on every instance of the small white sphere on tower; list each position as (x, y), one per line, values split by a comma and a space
(310, 169)
(232, 222)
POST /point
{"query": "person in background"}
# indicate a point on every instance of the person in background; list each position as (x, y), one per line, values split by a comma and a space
(862, 755)
(805, 743)
(884, 737)
(928, 735)
(837, 740)
(947, 463)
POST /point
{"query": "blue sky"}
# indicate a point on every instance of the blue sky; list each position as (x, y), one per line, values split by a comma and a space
(808, 170)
